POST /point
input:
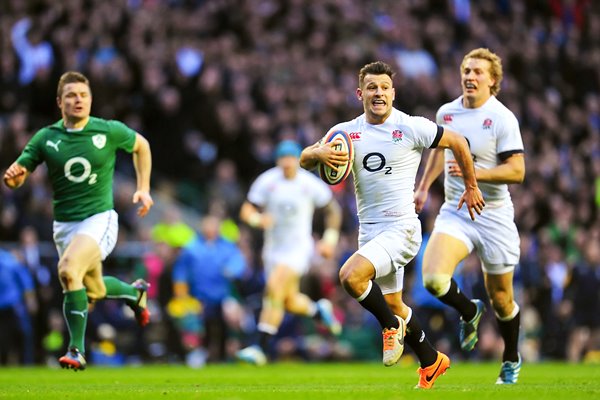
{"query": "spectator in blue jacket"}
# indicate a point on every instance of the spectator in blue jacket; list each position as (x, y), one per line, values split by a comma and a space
(17, 299)
(207, 270)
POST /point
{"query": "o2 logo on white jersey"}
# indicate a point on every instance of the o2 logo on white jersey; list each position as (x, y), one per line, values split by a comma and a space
(374, 162)
(473, 156)
(287, 210)
(87, 171)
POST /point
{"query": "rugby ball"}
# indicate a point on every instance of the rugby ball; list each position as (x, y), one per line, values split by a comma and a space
(342, 142)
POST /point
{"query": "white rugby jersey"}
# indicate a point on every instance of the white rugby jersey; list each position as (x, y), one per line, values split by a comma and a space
(291, 203)
(386, 160)
(493, 134)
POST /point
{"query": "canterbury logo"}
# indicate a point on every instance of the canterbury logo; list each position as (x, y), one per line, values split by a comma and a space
(422, 337)
(53, 145)
(82, 314)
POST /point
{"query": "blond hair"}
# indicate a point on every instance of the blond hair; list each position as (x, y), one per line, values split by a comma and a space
(495, 66)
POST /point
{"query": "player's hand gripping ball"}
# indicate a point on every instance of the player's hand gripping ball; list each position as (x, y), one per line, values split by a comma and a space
(343, 142)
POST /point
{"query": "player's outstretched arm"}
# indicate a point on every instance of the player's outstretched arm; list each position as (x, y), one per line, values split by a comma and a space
(142, 162)
(433, 169)
(511, 170)
(472, 196)
(15, 175)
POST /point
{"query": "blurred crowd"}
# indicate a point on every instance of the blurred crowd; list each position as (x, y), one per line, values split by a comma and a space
(215, 84)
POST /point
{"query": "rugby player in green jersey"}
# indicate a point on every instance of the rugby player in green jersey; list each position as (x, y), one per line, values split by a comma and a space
(80, 151)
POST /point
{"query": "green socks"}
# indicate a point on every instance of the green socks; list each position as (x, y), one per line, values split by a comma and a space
(75, 307)
(75, 310)
(117, 289)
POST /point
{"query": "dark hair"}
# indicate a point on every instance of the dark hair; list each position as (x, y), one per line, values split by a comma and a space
(70, 77)
(375, 68)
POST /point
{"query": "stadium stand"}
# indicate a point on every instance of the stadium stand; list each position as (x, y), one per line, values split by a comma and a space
(213, 85)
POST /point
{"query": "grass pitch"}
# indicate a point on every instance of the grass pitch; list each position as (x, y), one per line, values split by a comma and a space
(368, 381)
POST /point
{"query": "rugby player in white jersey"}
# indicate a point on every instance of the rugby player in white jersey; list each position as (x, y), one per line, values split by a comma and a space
(495, 142)
(80, 151)
(388, 145)
(282, 201)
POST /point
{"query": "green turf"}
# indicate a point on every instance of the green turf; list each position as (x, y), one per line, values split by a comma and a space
(298, 381)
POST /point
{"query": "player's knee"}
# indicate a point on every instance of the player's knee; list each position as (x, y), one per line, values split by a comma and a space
(66, 272)
(348, 278)
(343, 274)
(502, 302)
(508, 312)
(437, 284)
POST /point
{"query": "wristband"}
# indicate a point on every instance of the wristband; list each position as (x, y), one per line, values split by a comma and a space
(255, 219)
(331, 236)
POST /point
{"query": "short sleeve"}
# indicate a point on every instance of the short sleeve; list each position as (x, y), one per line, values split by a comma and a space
(426, 132)
(509, 137)
(122, 136)
(259, 191)
(32, 155)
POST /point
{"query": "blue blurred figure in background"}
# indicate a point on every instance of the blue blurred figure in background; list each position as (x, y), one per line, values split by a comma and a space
(17, 300)
(206, 270)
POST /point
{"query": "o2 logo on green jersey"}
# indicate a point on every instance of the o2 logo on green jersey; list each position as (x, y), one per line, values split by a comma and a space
(85, 175)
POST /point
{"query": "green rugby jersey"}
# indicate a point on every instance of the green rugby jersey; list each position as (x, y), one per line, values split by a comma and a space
(80, 164)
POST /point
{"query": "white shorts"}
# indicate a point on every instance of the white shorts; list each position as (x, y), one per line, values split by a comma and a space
(102, 227)
(297, 257)
(493, 234)
(389, 246)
